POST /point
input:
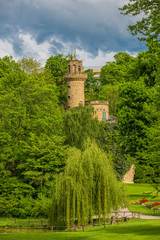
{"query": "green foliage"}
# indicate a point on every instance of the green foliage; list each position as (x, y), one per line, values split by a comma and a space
(79, 124)
(15, 197)
(146, 65)
(58, 67)
(149, 10)
(24, 207)
(41, 207)
(31, 139)
(91, 86)
(108, 140)
(117, 71)
(30, 66)
(7, 64)
(135, 116)
(109, 92)
(86, 188)
(151, 170)
(41, 157)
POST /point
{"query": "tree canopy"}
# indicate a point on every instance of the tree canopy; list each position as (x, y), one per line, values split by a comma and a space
(31, 138)
(149, 12)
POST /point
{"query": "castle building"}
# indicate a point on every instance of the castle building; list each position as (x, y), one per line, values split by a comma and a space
(75, 78)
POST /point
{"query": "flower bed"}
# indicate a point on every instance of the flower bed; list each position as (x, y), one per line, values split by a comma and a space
(149, 204)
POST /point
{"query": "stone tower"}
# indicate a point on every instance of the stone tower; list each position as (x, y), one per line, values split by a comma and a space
(75, 79)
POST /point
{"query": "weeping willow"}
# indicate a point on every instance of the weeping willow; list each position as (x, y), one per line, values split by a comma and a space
(87, 187)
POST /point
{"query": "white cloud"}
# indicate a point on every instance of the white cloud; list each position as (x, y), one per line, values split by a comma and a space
(42, 51)
(6, 48)
(30, 48)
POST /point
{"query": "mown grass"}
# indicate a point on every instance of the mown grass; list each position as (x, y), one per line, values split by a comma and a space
(16, 222)
(139, 191)
(143, 210)
(133, 230)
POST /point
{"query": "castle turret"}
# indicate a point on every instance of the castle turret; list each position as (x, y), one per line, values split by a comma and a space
(75, 79)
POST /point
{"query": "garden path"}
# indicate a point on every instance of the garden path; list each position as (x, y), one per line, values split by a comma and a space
(129, 214)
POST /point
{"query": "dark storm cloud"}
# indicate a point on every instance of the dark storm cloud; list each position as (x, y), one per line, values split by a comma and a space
(94, 24)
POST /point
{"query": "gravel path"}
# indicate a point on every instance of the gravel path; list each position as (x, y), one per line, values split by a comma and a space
(130, 214)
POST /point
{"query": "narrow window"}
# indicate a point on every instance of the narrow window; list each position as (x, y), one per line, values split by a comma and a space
(69, 97)
(69, 86)
(69, 68)
(79, 69)
(74, 68)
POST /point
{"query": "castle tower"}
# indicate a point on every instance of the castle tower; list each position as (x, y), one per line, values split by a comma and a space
(75, 79)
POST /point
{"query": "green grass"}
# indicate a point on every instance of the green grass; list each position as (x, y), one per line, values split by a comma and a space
(143, 210)
(139, 191)
(133, 230)
(16, 222)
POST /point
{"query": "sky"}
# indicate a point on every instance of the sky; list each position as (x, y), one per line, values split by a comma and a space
(41, 28)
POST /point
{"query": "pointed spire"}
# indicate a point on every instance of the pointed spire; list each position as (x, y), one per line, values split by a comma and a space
(75, 51)
(74, 56)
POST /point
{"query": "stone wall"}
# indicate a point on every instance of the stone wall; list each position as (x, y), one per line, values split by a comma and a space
(75, 93)
(129, 176)
(99, 108)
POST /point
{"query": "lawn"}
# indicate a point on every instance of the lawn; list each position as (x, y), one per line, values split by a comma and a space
(136, 229)
(16, 222)
(139, 191)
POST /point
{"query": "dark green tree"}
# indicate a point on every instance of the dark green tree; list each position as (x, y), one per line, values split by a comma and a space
(108, 140)
(58, 67)
(31, 136)
(149, 11)
(117, 71)
(146, 65)
(136, 113)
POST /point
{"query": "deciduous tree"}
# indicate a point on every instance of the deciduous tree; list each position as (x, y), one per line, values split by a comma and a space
(88, 187)
(149, 12)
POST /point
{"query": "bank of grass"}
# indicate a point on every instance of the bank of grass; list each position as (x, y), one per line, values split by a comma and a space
(136, 229)
(143, 210)
(17, 222)
(139, 191)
